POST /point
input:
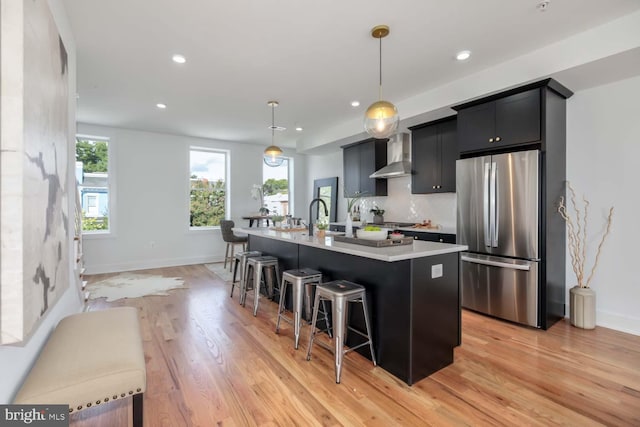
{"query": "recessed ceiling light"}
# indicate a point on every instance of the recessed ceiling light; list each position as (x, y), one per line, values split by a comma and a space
(299, 129)
(463, 55)
(542, 6)
(161, 106)
(355, 103)
(179, 59)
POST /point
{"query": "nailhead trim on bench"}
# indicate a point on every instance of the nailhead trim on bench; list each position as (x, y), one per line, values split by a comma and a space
(106, 399)
(120, 371)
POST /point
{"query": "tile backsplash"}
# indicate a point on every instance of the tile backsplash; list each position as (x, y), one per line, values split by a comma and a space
(401, 205)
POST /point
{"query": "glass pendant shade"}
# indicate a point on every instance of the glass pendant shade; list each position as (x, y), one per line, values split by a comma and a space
(273, 156)
(381, 119)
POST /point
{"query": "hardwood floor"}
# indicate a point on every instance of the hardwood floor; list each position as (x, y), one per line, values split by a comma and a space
(210, 362)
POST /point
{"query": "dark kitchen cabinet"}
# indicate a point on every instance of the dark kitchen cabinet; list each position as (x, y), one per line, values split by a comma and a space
(434, 151)
(361, 160)
(507, 121)
(521, 117)
(430, 237)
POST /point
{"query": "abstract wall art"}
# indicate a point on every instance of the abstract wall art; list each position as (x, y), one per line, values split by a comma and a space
(34, 141)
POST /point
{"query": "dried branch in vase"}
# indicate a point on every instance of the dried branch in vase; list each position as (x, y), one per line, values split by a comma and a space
(577, 236)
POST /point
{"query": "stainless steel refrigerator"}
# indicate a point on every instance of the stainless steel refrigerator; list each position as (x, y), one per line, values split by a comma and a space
(499, 218)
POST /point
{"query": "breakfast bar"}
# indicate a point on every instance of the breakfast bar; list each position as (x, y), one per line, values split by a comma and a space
(412, 290)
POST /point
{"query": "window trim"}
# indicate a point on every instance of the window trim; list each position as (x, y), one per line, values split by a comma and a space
(292, 192)
(227, 181)
(111, 181)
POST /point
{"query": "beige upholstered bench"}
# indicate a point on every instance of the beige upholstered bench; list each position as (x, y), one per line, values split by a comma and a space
(90, 358)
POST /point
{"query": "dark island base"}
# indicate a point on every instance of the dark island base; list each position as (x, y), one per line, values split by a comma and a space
(415, 318)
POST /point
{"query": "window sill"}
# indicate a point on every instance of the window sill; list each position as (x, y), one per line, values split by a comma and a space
(98, 235)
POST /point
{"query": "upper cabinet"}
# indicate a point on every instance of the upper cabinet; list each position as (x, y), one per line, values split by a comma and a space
(434, 151)
(361, 160)
(508, 119)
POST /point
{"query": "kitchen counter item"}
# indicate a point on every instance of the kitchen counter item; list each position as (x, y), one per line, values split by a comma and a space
(375, 243)
(372, 234)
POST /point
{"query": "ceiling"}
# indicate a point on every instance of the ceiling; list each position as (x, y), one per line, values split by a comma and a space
(314, 57)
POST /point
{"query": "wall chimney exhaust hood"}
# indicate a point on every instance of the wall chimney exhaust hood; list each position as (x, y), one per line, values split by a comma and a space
(398, 157)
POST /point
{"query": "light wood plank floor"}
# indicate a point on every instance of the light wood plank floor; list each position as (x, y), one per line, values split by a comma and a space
(210, 362)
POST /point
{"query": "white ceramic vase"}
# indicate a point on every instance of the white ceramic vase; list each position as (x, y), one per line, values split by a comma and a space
(582, 307)
(348, 229)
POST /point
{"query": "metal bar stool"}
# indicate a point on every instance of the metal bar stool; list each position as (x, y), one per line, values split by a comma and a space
(258, 265)
(241, 258)
(302, 279)
(340, 293)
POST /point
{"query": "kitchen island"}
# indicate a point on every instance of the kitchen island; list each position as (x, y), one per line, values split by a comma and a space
(412, 291)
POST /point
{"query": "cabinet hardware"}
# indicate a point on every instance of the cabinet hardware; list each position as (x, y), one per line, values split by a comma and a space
(441, 241)
(498, 139)
(433, 186)
(490, 139)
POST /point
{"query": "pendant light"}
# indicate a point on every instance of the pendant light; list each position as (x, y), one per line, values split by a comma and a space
(273, 154)
(381, 118)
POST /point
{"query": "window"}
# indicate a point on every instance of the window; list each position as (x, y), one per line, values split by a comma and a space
(277, 187)
(92, 205)
(92, 174)
(208, 187)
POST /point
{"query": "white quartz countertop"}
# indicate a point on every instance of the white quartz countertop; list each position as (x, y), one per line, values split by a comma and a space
(418, 249)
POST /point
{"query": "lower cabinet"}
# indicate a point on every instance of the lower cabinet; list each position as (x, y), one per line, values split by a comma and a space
(430, 237)
(418, 235)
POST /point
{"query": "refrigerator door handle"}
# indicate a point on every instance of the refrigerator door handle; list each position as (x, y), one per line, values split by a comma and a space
(495, 263)
(486, 217)
(495, 201)
(492, 205)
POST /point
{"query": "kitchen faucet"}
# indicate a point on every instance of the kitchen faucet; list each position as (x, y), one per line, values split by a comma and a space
(326, 212)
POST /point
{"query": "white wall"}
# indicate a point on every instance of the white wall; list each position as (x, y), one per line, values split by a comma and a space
(325, 166)
(603, 153)
(15, 361)
(150, 219)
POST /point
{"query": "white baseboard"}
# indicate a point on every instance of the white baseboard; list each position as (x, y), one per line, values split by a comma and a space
(620, 323)
(626, 324)
(147, 264)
